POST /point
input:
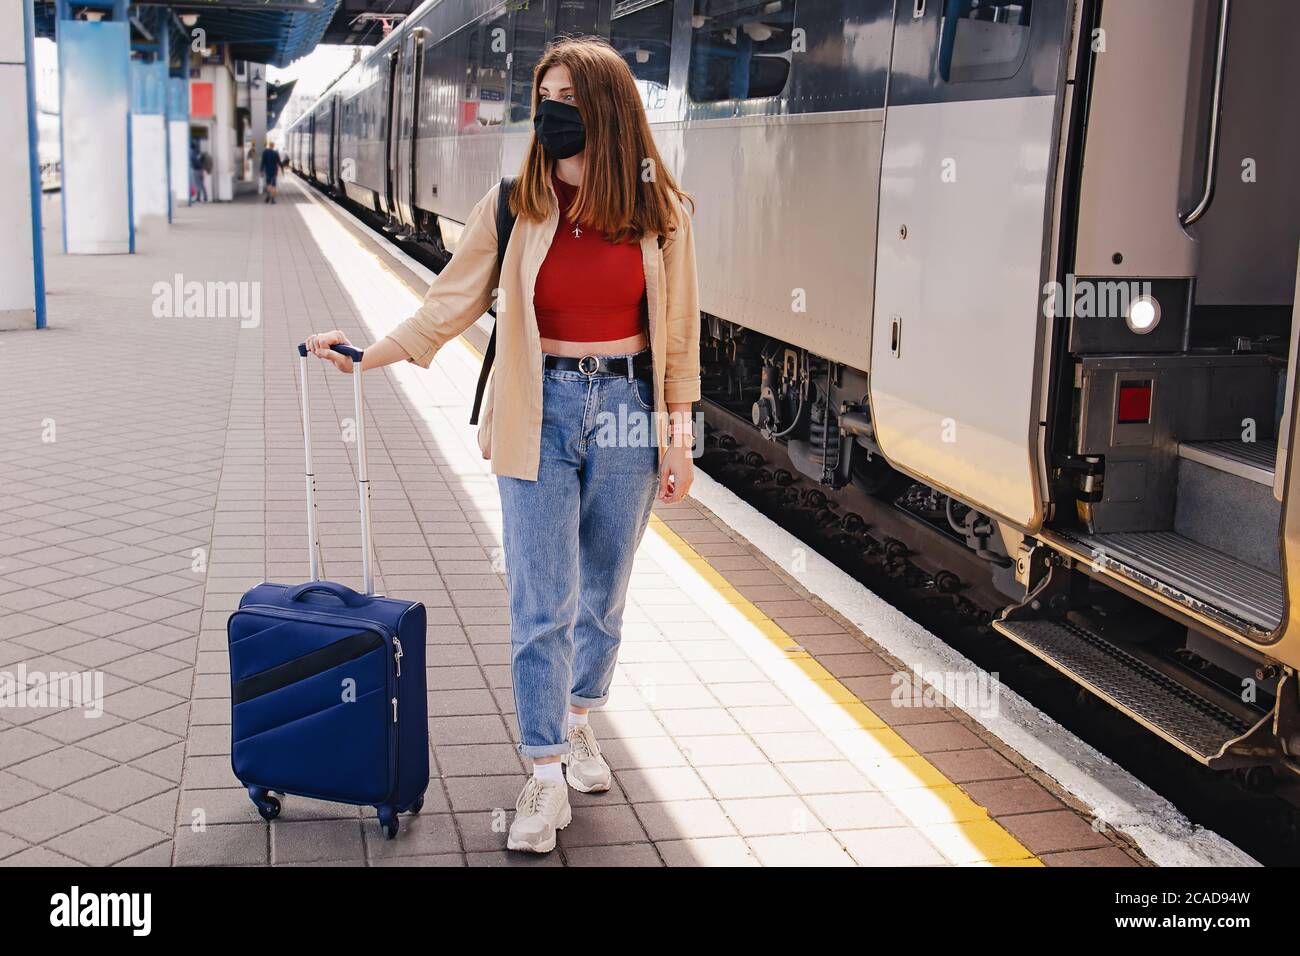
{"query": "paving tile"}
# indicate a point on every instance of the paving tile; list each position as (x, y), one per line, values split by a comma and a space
(440, 859)
(9, 845)
(800, 849)
(158, 812)
(710, 851)
(790, 747)
(241, 844)
(721, 750)
(642, 753)
(45, 817)
(855, 811)
(39, 856)
(424, 834)
(636, 854)
(709, 721)
(107, 840)
(484, 793)
(118, 788)
(825, 776)
(661, 784)
(890, 846)
(505, 858)
(464, 760)
(16, 790)
(683, 820)
(744, 780)
(315, 840)
(967, 766)
(761, 816)
(1015, 795)
(596, 824)
(1102, 856)
(932, 738)
(1047, 832)
(58, 768)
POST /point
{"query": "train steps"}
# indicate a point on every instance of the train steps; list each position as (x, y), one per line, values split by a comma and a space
(1236, 597)
(1203, 725)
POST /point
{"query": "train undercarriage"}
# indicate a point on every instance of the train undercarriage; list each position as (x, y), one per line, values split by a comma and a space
(799, 427)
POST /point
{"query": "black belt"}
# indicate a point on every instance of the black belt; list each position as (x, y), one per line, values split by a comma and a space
(602, 364)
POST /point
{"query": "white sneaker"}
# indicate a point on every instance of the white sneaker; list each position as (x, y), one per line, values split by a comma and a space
(540, 812)
(584, 767)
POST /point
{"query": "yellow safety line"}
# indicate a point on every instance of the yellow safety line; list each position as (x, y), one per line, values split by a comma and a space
(959, 826)
(950, 819)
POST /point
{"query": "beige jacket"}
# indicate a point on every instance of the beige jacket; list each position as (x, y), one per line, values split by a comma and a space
(510, 422)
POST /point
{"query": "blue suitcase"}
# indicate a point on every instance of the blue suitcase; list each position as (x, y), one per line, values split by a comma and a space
(327, 684)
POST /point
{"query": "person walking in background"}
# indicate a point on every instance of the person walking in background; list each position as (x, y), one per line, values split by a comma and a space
(198, 193)
(271, 170)
(205, 170)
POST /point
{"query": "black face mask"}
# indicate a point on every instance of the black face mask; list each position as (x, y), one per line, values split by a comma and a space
(559, 129)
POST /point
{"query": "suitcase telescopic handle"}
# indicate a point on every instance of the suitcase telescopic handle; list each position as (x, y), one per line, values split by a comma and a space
(355, 354)
(363, 481)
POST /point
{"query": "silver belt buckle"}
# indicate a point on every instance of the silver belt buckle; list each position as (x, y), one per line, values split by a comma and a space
(595, 365)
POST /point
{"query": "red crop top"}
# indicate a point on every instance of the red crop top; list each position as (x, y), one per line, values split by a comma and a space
(588, 289)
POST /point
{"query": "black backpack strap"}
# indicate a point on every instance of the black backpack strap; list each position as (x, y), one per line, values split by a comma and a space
(505, 226)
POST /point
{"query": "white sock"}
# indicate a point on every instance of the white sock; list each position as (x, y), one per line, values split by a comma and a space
(552, 772)
(577, 720)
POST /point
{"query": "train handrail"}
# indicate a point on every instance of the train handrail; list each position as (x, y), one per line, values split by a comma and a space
(1216, 106)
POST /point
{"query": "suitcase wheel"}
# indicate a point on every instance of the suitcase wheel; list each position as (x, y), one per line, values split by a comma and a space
(388, 821)
(267, 805)
(418, 805)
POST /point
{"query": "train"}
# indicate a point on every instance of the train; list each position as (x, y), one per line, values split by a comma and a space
(1037, 258)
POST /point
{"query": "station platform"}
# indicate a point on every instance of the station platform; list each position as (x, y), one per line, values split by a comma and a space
(152, 472)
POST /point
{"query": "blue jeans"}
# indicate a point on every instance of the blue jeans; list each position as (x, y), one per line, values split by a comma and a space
(570, 537)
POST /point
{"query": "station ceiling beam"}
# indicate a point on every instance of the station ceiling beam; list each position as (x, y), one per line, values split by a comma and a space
(259, 31)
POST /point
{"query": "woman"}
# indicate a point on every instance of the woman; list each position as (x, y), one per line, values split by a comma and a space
(597, 327)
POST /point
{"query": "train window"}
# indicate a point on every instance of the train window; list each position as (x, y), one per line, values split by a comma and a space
(739, 50)
(574, 17)
(643, 35)
(983, 39)
(493, 70)
(530, 41)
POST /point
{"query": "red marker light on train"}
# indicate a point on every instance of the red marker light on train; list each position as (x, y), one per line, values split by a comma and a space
(1134, 405)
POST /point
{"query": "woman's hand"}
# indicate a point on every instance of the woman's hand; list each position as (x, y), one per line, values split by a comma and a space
(676, 472)
(319, 345)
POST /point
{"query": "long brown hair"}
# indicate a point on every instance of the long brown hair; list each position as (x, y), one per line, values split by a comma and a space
(627, 191)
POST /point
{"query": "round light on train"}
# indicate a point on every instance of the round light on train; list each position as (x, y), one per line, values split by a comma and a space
(1143, 314)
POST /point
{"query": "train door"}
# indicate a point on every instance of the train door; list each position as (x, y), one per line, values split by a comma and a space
(390, 140)
(968, 169)
(336, 141)
(310, 163)
(402, 133)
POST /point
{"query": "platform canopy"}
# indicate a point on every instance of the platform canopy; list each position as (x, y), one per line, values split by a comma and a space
(259, 31)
